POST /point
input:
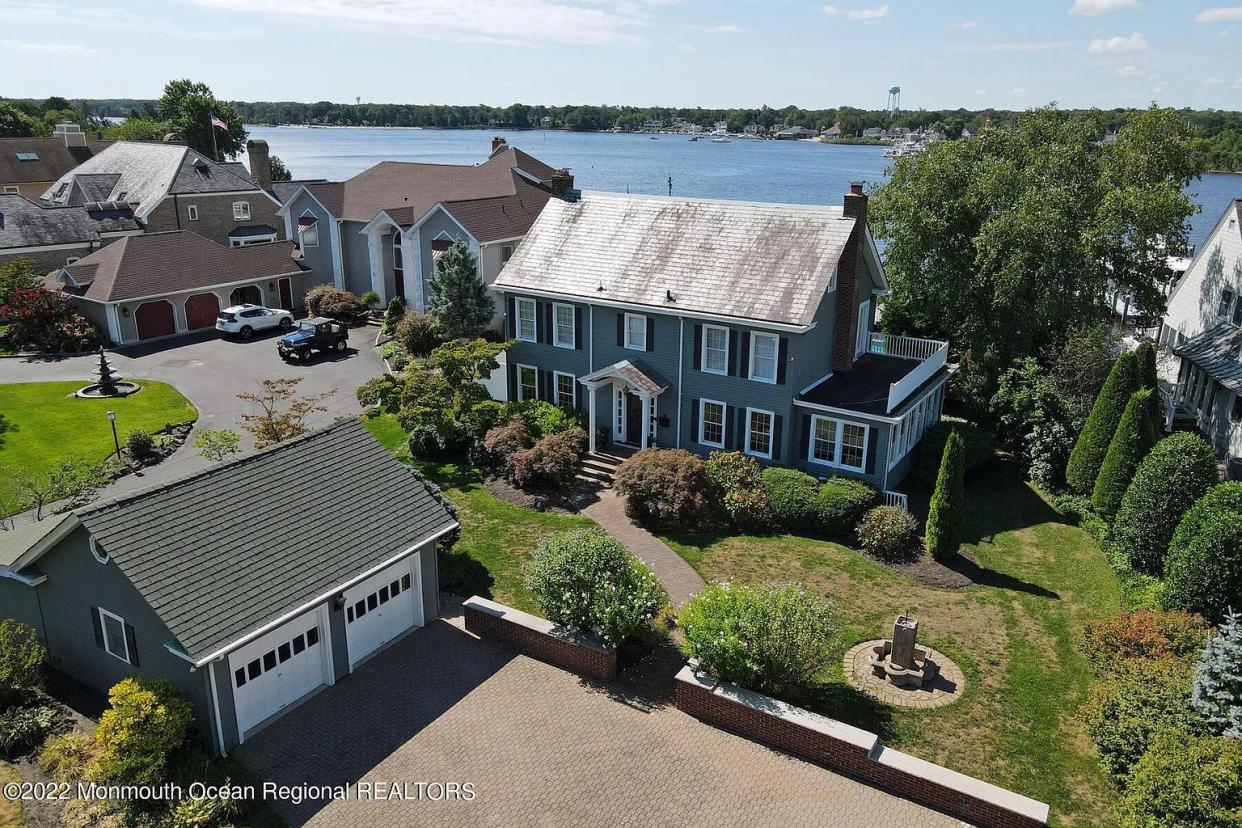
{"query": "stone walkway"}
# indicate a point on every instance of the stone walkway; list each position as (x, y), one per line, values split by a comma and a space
(679, 578)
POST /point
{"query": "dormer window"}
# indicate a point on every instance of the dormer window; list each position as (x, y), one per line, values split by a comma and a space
(1226, 303)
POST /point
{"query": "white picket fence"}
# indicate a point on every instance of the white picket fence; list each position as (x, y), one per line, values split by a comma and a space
(898, 499)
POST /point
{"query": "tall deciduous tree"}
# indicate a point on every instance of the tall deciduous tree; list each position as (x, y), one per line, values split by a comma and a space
(1006, 243)
(458, 299)
(188, 107)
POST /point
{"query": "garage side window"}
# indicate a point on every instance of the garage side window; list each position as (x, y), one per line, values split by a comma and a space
(114, 636)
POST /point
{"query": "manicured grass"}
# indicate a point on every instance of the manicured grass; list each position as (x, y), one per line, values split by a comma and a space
(1018, 724)
(10, 809)
(42, 423)
(497, 538)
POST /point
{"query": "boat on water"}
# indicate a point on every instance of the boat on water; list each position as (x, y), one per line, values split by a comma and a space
(904, 149)
(720, 140)
(694, 137)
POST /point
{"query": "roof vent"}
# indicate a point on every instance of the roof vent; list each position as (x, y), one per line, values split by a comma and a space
(669, 297)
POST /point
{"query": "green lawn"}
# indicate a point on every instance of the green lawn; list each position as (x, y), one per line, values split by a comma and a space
(10, 809)
(497, 538)
(1018, 724)
(42, 423)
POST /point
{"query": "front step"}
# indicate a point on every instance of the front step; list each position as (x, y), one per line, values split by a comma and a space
(599, 469)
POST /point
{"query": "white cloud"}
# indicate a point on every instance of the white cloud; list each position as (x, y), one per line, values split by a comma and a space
(1095, 8)
(688, 48)
(1220, 14)
(980, 92)
(1021, 46)
(1019, 91)
(1211, 81)
(865, 15)
(728, 28)
(964, 25)
(1129, 71)
(1107, 45)
(66, 49)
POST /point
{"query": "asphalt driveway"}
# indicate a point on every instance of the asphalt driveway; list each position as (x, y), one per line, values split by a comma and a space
(539, 746)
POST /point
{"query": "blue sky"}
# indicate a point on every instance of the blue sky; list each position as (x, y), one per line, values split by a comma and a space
(715, 53)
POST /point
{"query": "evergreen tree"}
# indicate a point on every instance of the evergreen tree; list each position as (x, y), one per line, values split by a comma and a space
(1092, 445)
(458, 299)
(1217, 691)
(1131, 442)
(1146, 354)
(946, 517)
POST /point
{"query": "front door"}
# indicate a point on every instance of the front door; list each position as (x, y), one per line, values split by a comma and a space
(286, 294)
(633, 419)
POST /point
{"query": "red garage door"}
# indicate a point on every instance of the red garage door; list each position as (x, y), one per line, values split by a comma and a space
(155, 319)
(201, 310)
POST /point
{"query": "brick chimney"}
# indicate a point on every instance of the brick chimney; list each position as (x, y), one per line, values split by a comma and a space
(849, 270)
(562, 182)
(260, 162)
(498, 143)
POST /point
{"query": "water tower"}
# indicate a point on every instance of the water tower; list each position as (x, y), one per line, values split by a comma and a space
(894, 99)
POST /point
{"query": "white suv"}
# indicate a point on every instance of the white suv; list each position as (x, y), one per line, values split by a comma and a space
(244, 320)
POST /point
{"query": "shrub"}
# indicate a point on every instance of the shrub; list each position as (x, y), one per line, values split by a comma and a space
(21, 662)
(479, 419)
(980, 446)
(1149, 379)
(370, 298)
(1047, 451)
(139, 444)
(22, 728)
(393, 313)
(739, 485)
(1203, 569)
(39, 320)
(774, 639)
(1082, 366)
(146, 720)
(1108, 643)
(840, 504)
(889, 533)
(792, 498)
(590, 583)
(1131, 442)
(1134, 704)
(551, 462)
(1217, 690)
(502, 442)
(325, 300)
(665, 487)
(1177, 472)
(417, 334)
(65, 758)
(1092, 445)
(217, 444)
(1182, 781)
(545, 418)
(946, 517)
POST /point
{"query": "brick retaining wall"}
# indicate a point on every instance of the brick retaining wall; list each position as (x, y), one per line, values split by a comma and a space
(540, 638)
(854, 752)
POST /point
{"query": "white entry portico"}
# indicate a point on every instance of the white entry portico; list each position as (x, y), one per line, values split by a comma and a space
(632, 403)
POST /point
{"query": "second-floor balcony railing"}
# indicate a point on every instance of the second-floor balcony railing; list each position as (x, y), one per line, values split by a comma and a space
(930, 354)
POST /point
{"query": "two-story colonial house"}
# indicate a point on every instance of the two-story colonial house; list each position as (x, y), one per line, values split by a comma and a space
(720, 325)
(383, 229)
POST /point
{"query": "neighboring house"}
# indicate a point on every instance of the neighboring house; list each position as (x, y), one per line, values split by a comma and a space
(833, 131)
(712, 325)
(383, 229)
(56, 236)
(242, 585)
(874, 132)
(28, 166)
(1203, 328)
(156, 285)
(795, 132)
(172, 187)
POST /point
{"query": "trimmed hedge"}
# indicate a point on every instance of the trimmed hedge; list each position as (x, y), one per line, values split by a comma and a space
(1149, 377)
(1131, 442)
(840, 504)
(1176, 472)
(889, 533)
(946, 517)
(792, 498)
(1203, 569)
(1182, 781)
(1089, 450)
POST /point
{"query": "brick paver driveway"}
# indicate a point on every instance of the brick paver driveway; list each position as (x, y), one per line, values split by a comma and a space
(541, 747)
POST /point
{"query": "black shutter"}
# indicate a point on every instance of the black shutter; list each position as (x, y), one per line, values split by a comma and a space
(580, 392)
(730, 416)
(743, 356)
(549, 329)
(741, 429)
(805, 442)
(540, 332)
(131, 644)
(512, 327)
(620, 329)
(650, 333)
(98, 625)
(733, 349)
(778, 422)
(694, 421)
(873, 437)
(782, 356)
(513, 395)
(578, 329)
(698, 347)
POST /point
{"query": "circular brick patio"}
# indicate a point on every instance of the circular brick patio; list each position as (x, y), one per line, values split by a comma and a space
(946, 688)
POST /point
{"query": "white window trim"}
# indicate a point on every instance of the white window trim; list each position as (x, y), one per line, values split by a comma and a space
(771, 434)
(517, 322)
(103, 631)
(510, 249)
(10, 189)
(704, 367)
(519, 367)
(626, 339)
(838, 446)
(315, 227)
(191, 211)
(724, 423)
(556, 327)
(776, 357)
(99, 555)
(242, 214)
(556, 388)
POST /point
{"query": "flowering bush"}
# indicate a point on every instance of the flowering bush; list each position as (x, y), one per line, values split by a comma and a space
(666, 487)
(1109, 642)
(889, 533)
(740, 486)
(551, 462)
(774, 639)
(590, 583)
(40, 320)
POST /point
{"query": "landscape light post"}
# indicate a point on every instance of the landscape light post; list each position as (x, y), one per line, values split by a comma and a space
(115, 441)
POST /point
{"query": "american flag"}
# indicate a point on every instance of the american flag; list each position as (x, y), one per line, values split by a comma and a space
(218, 124)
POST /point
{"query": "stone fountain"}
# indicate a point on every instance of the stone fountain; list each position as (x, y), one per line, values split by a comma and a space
(108, 383)
(899, 660)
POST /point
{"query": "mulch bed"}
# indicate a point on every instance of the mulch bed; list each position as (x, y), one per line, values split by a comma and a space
(570, 501)
(955, 574)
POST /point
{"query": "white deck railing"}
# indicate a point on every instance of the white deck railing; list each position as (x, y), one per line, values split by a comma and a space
(906, 347)
(1172, 396)
(898, 499)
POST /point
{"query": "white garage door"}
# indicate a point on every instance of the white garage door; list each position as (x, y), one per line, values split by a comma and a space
(278, 668)
(381, 608)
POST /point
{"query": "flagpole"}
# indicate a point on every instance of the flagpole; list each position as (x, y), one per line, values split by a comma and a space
(215, 153)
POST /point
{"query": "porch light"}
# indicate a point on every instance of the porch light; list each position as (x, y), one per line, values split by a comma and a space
(124, 311)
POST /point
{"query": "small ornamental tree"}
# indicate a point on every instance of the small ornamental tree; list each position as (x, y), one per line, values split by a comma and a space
(281, 414)
(39, 320)
(217, 444)
(1217, 689)
(146, 720)
(587, 581)
(1203, 568)
(666, 487)
(17, 273)
(1194, 782)
(1175, 473)
(1131, 442)
(1089, 450)
(457, 297)
(946, 517)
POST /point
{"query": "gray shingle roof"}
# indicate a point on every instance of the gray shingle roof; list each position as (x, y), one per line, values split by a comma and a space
(223, 552)
(771, 262)
(24, 223)
(1218, 351)
(54, 159)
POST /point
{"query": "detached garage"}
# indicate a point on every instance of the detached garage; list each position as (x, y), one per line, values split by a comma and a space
(158, 285)
(247, 617)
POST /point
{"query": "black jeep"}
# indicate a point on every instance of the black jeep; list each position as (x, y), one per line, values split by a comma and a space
(315, 334)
